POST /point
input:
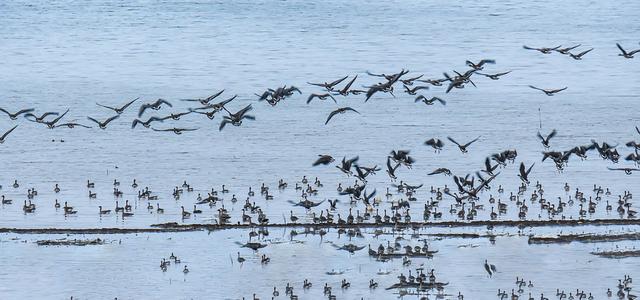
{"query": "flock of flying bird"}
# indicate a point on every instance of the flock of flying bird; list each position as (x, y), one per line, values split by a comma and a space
(465, 191)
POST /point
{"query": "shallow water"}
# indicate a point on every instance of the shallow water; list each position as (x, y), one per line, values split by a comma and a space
(59, 55)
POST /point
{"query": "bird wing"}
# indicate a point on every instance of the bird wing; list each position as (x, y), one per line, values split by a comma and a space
(621, 50)
(8, 132)
(351, 109)
(348, 86)
(471, 142)
(552, 134)
(94, 120)
(529, 170)
(338, 81)
(109, 107)
(111, 119)
(311, 98)
(536, 88)
(129, 104)
(453, 141)
(162, 101)
(222, 124)
(4, 111)
(522, 170)
(28, 110)
(559, 90)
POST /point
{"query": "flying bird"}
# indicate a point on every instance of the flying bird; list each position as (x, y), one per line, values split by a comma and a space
(545, 141)
(463, 148)
(103, 125)
(205, 101)
(626, 54)
(543, 50)
(329, 85)
(435, 143)
(235, 119)
(549, 92)
(429, 101)
(341, 110)
(146, 123)
(155, 106)
(524, 173)
(4, 136)
(495, 76)
(119, 110)
(177, 131)
(480, 65)
(323, 160)
(41, 118)
(321, 97)
(579, 55)
(15, 115)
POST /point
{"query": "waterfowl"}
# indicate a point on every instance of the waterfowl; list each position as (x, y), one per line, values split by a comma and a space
(549, 92)
(626, 54)
(185, 214)
(103, 125)
(119, 110)
(14, 116)
(329, 85)
(341, 110)
(103, 211)
(429, 101)
(463, 148)
(155, 106)
(545, 141)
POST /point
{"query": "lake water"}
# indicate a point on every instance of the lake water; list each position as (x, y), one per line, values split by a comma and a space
(68, 55)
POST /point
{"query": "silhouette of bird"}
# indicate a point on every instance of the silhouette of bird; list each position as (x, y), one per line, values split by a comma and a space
(545, 141)
(429, 101)
(341, 110)
(14, 116)
(155, 106)
(626, 54)
(463, 148)
(119, 110)
(321, 97)
(323, 160)
(103, 125)
(549, 92)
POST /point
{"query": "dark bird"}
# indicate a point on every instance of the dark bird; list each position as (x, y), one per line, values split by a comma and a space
(205, 101)
(119, 110)
(524, 173)
(321, 97)
(155, 106)
(627, 171)
(434, 82)
(15, 116)
(444, 171)
(413, 91)
(215, 108)
(177, 131)
(329, 85)
(491, 269)
(235, 119)
(495, 76)
(459, 80)
(463, 148)
(548, 92)
(488, 168)
(429, 101)
(103, 125)
(176, 116)
(346, 90)
(345, 165)
(545, 141)
(39, 119)
(308, 204)
(409, 81)
(626, 54)
(543, 50)
(567, 49)
(147, 123)
(323, 160)
(480, 65)
(579, 55)
(392, 170)
(341, 110)
(52, 124)
(435, 143)
(72, 125)
(4, 136)
(386, 87)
